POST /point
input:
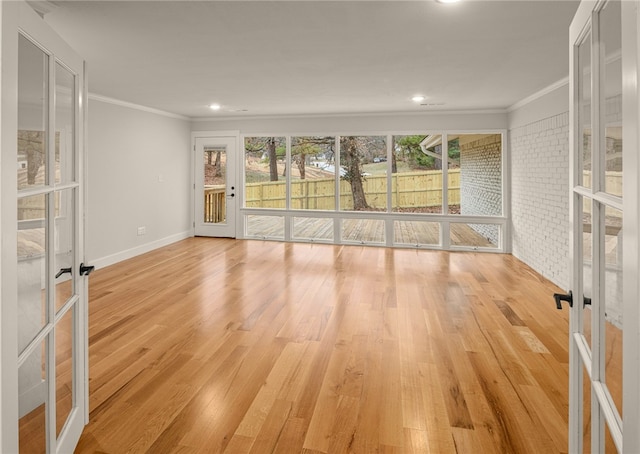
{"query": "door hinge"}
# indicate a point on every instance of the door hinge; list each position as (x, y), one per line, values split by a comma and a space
(194, 224)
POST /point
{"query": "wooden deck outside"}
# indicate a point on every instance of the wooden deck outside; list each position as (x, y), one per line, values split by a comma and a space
(366, 231)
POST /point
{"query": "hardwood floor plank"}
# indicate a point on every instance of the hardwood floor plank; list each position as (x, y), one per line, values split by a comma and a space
(218, 345)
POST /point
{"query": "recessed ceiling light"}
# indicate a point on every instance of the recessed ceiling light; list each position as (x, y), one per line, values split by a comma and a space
(418, 98)
(214, 106)
(447, 1)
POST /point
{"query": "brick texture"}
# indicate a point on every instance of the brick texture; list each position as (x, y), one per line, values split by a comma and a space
(481, 182)
(540, 196)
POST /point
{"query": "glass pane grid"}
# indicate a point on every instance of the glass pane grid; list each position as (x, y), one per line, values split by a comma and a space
(265, 172)
(363, 231)
(476, 236)
(363, 173)
(313, 229)
(416, 233)
(313, 172)
(33, 114)
(65, 166)
(33, 401)
(264, 227)
(215, 185)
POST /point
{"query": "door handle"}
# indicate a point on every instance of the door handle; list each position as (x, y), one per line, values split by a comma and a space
(232, 195)
(86, 270)
(63, 271)
(559, 297)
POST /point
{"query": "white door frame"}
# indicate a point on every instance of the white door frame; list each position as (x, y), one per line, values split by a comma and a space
(17, 16)
(631, 224)
(234, 159)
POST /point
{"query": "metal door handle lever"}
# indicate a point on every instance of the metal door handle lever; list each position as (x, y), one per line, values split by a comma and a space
(86, 270)
(62, 271)
(559, 297)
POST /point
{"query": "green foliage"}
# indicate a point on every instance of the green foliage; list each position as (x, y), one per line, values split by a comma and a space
(407, 149)
(425, 161)
(454, 149)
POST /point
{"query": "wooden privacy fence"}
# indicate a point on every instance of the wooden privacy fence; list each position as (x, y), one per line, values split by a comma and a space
(408, 190)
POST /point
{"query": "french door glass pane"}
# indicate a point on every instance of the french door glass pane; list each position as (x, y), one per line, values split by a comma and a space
(614, 316)
(611, 38)
(313, 180)
(215, 184)
(31, 266)
(584, 109)
(64, 368)
(587, 262)
(65, 125)
(32, 389)
(363, 173)
(65, 266)
(416, 168)
(33, 74)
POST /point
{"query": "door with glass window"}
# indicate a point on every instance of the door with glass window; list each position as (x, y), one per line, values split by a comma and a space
(596, 301)
(215, 186)
(50, 299)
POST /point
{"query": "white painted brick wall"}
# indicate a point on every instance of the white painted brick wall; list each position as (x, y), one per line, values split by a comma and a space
(540, 196)
(481, 182)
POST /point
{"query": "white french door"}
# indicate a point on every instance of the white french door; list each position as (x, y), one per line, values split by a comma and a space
(215, 186)
(604, 324)
(44, 298)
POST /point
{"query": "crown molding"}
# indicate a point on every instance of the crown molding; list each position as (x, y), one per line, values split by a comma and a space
(130, 105)
(351, 115)
(545, 91)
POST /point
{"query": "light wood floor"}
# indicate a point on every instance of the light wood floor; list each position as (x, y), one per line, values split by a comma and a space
(215, 345)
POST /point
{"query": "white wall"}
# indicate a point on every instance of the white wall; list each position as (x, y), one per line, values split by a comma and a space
(550, 102)
(129, 152)
(539, 146)
(357, 123)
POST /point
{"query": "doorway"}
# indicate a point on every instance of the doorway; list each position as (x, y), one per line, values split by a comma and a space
(215, 186)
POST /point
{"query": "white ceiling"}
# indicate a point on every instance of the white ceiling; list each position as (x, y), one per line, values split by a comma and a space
(317, 57)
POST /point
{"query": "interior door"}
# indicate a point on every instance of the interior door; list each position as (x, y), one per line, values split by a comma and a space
(596, 320)
(48, 302)
(215, 186)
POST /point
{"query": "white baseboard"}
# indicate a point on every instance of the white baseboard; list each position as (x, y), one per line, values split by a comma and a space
(139, 250)
(32, 398)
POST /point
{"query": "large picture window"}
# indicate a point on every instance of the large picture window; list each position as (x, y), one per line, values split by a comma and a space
(313, 170)
(265, 172)
(363, 173)
(432, 189)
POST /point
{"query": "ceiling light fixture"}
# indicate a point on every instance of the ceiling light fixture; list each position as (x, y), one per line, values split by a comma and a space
(447, 1)
(214, 106)
(418, 98)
